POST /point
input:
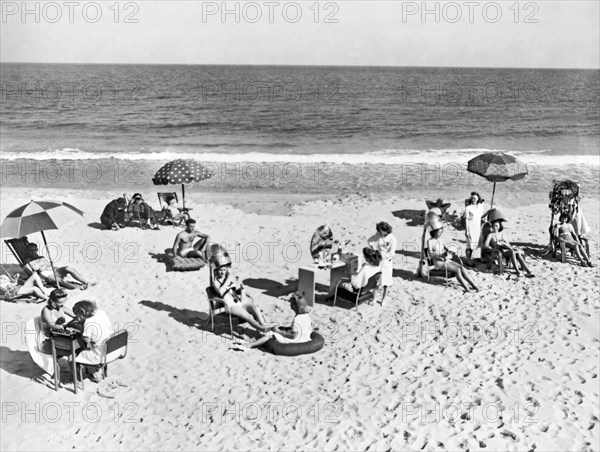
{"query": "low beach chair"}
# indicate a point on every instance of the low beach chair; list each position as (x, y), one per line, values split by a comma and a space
(115, 347)
(163, 200)
(19, 249)
(366, 293)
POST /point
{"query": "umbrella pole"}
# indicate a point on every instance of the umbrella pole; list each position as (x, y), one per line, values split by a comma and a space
(183, 195)
(493, 193)
(51, 263)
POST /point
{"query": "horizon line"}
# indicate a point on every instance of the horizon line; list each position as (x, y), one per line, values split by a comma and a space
(309, 65)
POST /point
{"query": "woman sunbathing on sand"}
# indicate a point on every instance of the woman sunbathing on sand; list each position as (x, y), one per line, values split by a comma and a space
(298, 332)
(442, 256)
(32, 286)
(497, 240)
(237, 302)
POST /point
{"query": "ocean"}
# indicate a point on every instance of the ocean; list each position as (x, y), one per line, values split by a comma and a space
(294, 128)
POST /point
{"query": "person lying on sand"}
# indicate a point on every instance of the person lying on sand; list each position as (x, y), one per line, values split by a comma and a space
(233, 293)
(496, 240)
(442, 256)
(42, 266)
(184, 242)
(298, 332)
(10, 288)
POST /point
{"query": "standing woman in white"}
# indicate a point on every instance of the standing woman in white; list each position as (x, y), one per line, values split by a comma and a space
(473, 214)
(385, 242)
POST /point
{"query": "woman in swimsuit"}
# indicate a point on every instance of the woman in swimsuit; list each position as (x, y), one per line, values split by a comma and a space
(496, 240)
(567, 235)
(442, 258)
(236, 300)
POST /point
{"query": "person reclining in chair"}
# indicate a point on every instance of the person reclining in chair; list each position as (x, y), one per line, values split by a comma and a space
(566, 234)
(496, 240)
(42, 266)
(233, 294)
(177, 214)
(184, 242)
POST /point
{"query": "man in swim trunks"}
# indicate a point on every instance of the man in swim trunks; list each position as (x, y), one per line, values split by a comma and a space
(184, 242)
(42, 266)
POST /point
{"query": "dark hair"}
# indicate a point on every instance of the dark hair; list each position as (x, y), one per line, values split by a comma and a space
(121, 201)
(564, 215)
(86, 307)
(190, 221)
(170, 198)
(499, 220)
(433, 232)
(372, 256)
(480, 199)
(383, 227)
(56, 294)
(136, 195)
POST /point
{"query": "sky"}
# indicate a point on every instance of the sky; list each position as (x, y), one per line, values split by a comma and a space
(540, 34)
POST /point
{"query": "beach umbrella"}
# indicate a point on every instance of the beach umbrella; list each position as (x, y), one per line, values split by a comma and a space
(497, 167)
(39, 216)
(181, 172)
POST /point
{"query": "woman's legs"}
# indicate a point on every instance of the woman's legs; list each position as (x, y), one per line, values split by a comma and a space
(383, 296)
(75, 275)
(524, 266)
(31, 290)
(35, 281)
(241, 312)
(453, 267)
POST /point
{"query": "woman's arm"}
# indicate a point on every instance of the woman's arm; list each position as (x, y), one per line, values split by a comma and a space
(488, 241)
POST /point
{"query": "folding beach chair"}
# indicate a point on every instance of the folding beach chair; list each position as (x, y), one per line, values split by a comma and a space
(20, 249)
(163, 200)
(115, 347)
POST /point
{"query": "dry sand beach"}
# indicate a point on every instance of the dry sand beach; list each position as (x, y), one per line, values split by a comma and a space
(514, 367)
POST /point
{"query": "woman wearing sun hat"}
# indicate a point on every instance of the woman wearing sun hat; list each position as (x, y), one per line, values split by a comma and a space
(496, 240)
(442, 256)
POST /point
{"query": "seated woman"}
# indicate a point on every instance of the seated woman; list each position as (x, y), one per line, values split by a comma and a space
(177, 215)
(442, 256)
(496, 240)
(53, 316)
(139, 210)
(567, 235)
(97, 328)
(361, 278)
(234, 295)
(11, 289)
(298, 332)
(42, 266)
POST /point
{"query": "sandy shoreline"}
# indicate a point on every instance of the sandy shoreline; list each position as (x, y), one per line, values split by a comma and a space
(513, 368)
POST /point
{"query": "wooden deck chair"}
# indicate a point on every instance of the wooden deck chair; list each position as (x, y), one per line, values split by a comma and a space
(163, 200)
(431, 271)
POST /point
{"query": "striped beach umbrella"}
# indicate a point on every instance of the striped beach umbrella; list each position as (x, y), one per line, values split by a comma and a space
(497, 167)
(181, 172)
(39, 216)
